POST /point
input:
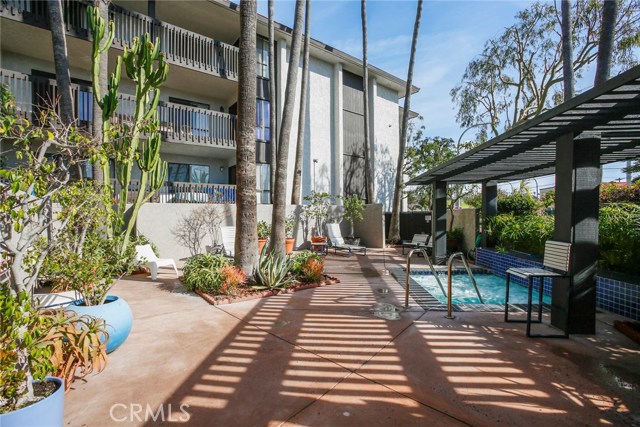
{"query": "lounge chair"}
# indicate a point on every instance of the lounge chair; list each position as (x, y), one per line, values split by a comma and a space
(557, 256)
(337, 242)
(419, 241)
(228, 240)
(145, 255)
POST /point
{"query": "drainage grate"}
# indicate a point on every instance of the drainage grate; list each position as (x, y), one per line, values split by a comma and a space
(386, 311)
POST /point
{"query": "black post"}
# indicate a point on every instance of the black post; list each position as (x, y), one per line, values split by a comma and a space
(489, 206)
(576, 222)
(439, 222)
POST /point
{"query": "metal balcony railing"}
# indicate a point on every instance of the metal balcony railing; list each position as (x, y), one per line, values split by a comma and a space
(185, 192)
(181, 47)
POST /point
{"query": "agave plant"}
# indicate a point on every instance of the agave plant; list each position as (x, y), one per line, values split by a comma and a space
(273, 272)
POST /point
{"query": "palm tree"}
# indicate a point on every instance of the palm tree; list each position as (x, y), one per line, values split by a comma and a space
(605, 45)
(297, 172)
(567, 49)
(61, 63)
(103, 73)
(394, 227)
(277, 241)
(246, 249)
(273, 140)
(365, 92)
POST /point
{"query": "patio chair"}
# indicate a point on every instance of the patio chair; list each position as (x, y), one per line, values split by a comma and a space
(557, 256)
(228, 234)
(145, 254)
(337, 242)
(419, 241)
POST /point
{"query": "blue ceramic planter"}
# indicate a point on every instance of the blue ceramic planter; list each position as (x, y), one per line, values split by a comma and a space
(115, 311)
(45, 413)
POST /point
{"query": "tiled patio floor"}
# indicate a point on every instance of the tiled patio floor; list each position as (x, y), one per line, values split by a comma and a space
(320, 358)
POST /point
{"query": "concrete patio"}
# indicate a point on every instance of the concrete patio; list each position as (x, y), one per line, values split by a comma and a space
(320, 358)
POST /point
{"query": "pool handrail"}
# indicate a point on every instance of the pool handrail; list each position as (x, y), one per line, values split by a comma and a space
(450, 285)
(408, 270)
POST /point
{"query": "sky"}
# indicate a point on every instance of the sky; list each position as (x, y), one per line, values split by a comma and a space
(452, 33)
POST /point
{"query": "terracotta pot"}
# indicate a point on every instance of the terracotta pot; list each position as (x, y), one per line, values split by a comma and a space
(261, 243)
(289, 245)
(318, 239)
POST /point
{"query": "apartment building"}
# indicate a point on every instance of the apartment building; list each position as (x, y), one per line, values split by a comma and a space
(198, 100)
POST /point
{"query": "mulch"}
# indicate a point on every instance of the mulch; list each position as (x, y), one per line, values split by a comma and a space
(251, 295)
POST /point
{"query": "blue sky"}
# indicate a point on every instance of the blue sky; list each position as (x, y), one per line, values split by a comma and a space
(451, 34)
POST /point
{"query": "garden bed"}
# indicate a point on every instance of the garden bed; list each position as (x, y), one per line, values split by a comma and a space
(249, 294)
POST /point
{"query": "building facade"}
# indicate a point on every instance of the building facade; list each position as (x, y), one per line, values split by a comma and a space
(198, 100)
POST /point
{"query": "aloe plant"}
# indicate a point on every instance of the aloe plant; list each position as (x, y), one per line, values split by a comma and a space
(273, 272)
(145, 66)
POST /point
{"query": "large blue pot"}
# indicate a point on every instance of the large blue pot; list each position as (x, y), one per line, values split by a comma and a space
(44, 413)
(117, 314)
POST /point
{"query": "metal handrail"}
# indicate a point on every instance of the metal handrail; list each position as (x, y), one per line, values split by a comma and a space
(433, 270)
(449, 280)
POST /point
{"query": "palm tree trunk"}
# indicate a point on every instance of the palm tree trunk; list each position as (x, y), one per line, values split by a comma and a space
(605, 46)
(297, 175)
(567, 50)
(246, 248)
(368, 170)
(277, 241)
(273, 132)
(61, 62)
(394, 227)
(103, 74)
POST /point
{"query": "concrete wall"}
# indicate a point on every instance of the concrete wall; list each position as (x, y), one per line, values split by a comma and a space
(465, 218)
(157, 221)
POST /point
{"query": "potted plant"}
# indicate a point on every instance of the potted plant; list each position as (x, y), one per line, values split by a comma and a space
(34, 346)
(318, 212)
(454, 239)
(353, 208)
(290, 231)
(264, 230)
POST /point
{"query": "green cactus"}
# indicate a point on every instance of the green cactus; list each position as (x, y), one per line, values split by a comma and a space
(144, 64)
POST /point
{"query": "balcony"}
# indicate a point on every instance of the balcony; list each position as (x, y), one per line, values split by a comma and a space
(178, 123)
(185, 192)
(181, 47)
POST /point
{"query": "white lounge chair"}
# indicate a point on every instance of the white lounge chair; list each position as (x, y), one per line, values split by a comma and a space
(337, 242)
(228, 234)
(145, 254)
(418, 241)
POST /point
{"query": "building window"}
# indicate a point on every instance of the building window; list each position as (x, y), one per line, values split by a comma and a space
(262, 52)
(263, 132)
(263, 183)
(181, 172)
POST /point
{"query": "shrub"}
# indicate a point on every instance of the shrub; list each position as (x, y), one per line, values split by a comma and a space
(519, 203)
(612, 192)
(299, 261)
(264, 230)
(312, 270)
(203, 272)
(619, 237)
(456, 234)
(522, 233)
(273, 272)
(232, 278)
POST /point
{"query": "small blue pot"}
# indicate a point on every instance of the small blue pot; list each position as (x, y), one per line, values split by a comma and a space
(117, 314)
(47, 412)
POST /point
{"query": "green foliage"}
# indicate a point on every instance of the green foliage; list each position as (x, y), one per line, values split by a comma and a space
(456, 234)
(518, 203)
(203, 272)
(300, 263)
(619, 193)
(264, 230)
(526, 233)
(272, 272)
(290, 226)
(619, 237)
(353, 209)
(318, 210)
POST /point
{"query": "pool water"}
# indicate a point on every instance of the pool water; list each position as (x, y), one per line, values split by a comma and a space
(492, 288)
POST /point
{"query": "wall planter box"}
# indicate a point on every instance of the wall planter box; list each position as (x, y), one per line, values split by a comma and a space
(616, 293)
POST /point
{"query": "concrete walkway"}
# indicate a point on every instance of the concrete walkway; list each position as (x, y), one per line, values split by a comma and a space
(320, 358)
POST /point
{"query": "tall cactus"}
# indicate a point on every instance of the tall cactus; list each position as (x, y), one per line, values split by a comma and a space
(144, 64)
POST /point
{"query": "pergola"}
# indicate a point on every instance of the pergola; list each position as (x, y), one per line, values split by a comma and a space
(572, 141)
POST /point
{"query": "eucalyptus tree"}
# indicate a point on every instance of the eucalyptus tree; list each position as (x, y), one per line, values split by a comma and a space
(277, 241)
(246, 248)
(60, 60)
(605, 46)
(394, 226)
(567, 50)
(297, 172)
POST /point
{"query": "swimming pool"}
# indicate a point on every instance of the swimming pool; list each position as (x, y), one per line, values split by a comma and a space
(492, 289)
